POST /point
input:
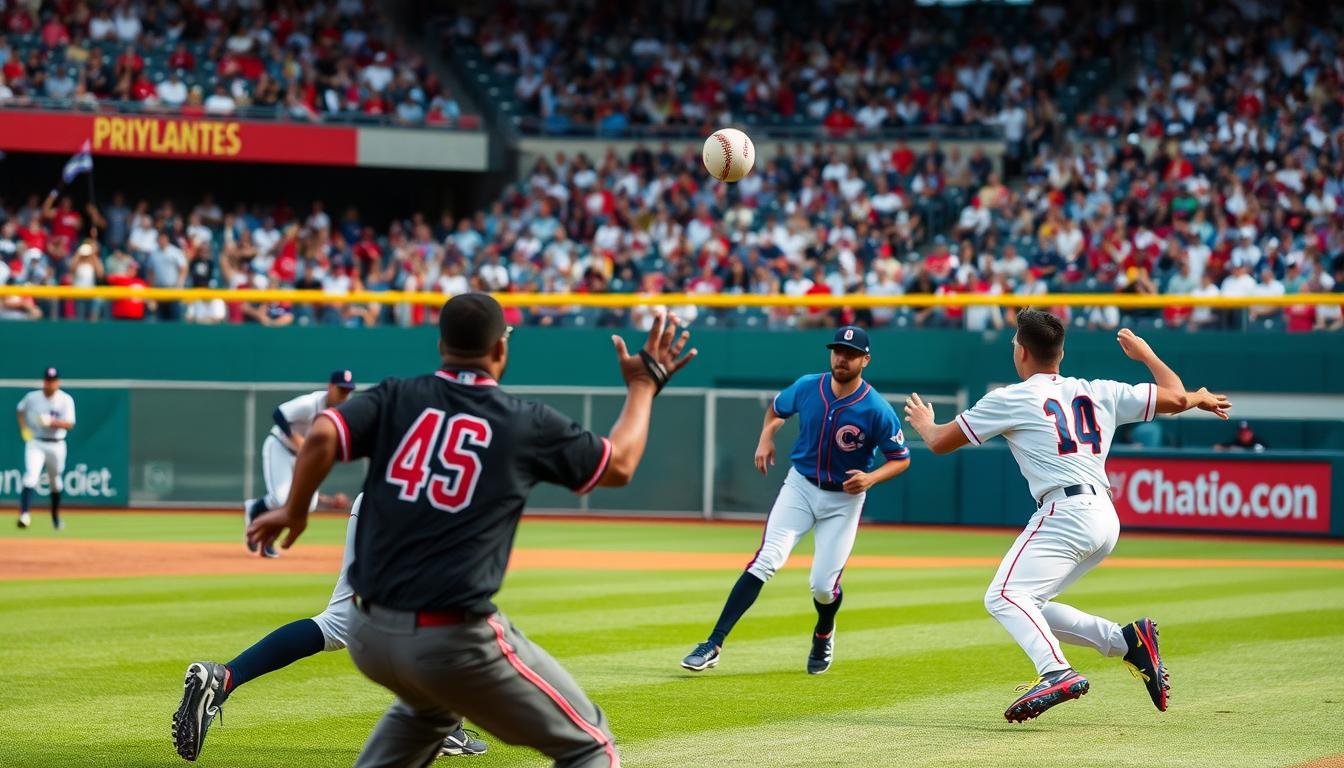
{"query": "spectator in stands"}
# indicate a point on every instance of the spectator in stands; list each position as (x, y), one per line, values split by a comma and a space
(86, 271)
(167, 268)
(220, 102)
(1244, 439)
(125, 272)
(1268, 285)
(172, 92)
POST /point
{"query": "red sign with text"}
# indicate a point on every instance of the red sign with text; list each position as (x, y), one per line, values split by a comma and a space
(1278, 496)
(179, 138)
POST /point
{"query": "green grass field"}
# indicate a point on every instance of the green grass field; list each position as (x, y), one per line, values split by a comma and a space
(90, 671)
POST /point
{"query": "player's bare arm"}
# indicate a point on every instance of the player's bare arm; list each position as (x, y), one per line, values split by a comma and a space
(645, 372)
(1172, 396)
(858, 481)
(312, 466)
(24, 432)
(765, 446)
(940, 438)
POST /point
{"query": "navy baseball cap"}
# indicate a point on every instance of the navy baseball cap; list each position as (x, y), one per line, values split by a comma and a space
(51, 373)
(343, 379)
(851, 336)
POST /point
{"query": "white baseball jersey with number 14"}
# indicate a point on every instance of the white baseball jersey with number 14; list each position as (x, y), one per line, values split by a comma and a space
(1059, 428)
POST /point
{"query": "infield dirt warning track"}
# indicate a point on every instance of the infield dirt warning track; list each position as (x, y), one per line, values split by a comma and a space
(94, 559)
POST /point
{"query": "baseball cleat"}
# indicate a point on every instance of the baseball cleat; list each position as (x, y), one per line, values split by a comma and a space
(462, 742)
(823, 653)
(202, 697)
(252, 508)
(1047, 691)
(24, 520)
(704, 656)
(1145, 661)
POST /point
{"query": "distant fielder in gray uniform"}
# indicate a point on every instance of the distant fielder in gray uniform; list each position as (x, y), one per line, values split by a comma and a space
(452, 459)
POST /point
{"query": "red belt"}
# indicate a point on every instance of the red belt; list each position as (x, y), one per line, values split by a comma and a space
(424, 618)
(439, 618)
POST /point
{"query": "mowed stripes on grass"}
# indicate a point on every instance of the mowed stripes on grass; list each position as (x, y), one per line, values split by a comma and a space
(90, 669)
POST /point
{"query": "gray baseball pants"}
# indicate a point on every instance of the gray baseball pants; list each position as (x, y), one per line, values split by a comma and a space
(485, 670)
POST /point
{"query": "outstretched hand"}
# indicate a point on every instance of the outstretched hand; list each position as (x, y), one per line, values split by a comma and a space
(918, 413)
(266, 528)
(661, 356)
(1214, 403)
(1135, 347)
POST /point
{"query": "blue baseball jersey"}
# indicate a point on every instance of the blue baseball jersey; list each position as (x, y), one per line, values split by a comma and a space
(836, 435)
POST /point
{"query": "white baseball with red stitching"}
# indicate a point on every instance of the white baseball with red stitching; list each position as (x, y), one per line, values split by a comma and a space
(729, 154)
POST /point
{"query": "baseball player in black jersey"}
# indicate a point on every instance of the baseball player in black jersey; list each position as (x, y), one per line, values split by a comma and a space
(452, 458)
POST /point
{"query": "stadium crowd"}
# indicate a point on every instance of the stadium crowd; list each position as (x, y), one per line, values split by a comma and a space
(573, 66)
(305, 61)
(1220, 172)
(811, 220)
(1217, 169)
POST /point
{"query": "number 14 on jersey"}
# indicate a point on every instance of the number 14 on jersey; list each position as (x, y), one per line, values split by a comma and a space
(1084, 425)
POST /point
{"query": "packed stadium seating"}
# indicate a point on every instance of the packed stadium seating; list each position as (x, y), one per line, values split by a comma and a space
(1210, 169)
(298, 61)
(666, 69)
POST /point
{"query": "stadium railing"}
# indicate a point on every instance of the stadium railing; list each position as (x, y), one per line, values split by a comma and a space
(724, 300)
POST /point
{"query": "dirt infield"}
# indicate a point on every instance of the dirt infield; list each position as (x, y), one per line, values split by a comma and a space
(91, 559)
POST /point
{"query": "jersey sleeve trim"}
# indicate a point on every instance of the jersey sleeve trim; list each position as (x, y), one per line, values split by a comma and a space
(1150, 409)
(966, 429)
(342, 431)
(600, 471)
(897, 455)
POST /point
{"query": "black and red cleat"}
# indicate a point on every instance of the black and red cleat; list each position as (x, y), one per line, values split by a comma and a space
(1048, 690)
(1145, 660)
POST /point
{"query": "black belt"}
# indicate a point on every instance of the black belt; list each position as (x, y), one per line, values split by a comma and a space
(1071, 490)
(824, 486)
(50, 439)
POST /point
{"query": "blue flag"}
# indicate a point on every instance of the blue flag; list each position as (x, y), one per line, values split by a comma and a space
(82, 162)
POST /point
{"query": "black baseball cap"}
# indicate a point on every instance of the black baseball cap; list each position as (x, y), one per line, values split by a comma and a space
(851, 336)
(51, 373)
(343, 379)
(470, 324)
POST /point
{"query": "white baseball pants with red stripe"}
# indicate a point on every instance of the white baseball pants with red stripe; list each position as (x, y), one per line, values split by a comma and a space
(799, 508)
(1061, 542)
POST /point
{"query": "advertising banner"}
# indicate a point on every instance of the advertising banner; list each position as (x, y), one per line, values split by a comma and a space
(1217, 495)
(174, 137)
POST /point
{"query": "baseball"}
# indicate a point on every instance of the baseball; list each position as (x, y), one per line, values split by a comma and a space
(729, 154)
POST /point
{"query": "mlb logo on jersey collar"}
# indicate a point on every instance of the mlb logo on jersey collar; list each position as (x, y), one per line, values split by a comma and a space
(851, 337)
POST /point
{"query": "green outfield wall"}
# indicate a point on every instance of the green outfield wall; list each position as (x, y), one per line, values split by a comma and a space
(187, 426)
(902, 359)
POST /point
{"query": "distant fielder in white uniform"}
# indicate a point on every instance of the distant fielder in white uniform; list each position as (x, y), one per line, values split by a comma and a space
(1060, 430)
(293, 419)
(45, 416)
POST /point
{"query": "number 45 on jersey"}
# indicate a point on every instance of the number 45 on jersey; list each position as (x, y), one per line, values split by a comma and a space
(410, 471)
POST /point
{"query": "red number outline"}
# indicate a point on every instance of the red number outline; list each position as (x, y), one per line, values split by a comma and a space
(453, 495)
(412, 476)
(1067, 446)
